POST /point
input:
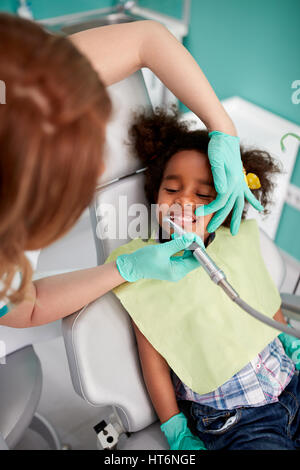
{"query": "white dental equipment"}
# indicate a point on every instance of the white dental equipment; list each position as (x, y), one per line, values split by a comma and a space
(219, 278)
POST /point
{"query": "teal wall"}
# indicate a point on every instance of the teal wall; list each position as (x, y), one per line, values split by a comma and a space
(167, 7)
(249, 48)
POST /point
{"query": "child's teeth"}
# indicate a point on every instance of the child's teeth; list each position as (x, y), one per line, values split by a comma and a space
(183, 219)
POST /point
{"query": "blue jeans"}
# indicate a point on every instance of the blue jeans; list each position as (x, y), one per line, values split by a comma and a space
(268, 427)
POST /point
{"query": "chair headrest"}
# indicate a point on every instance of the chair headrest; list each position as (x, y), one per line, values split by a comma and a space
(127, 97)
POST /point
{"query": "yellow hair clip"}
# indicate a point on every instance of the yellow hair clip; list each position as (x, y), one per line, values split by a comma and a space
(252, 180)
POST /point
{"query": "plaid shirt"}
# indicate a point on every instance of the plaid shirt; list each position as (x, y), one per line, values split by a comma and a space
(260, 382)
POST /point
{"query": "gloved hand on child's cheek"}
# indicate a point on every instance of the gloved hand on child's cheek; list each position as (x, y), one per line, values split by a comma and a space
(227, 170)
(179, 436)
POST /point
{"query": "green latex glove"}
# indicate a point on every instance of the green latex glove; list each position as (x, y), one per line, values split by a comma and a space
(156, 262)
(227, 169)
(291, 346)
(179, 436)
(188, 252)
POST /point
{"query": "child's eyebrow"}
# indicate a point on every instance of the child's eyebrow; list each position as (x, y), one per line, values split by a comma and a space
(172, 177)
(199, 180)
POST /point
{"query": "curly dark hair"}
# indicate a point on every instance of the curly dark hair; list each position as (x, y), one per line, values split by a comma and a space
(156, 135)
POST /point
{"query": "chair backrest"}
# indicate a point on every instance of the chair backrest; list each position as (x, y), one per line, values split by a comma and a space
(272, 259)
(103, 359)
(127, 96)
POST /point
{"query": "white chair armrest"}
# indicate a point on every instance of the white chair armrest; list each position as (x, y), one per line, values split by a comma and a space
(104, 363)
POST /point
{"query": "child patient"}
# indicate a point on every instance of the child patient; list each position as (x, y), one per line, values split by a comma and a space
(217, 378)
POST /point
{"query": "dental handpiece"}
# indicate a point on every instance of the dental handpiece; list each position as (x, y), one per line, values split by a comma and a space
(214, 272)
(219, 278)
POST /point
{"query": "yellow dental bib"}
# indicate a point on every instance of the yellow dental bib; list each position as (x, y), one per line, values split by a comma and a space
(204, 336)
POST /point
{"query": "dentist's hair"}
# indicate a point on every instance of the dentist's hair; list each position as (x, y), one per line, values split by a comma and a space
(156, 135)
(52, 131)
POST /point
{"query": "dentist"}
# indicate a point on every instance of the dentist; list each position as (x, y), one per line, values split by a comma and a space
(52, 130)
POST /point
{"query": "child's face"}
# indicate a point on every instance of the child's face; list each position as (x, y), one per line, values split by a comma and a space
(187, 184)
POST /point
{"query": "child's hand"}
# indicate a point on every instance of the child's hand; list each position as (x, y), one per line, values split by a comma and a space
(179, 436)
(227, 169)
(291, 346)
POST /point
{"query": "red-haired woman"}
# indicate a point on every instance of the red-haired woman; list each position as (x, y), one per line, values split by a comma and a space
(51, 129)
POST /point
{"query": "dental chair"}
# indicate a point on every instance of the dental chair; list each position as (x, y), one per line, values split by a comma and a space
(99, 339)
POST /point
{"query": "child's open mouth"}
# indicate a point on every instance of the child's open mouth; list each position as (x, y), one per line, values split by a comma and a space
(182, 219)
